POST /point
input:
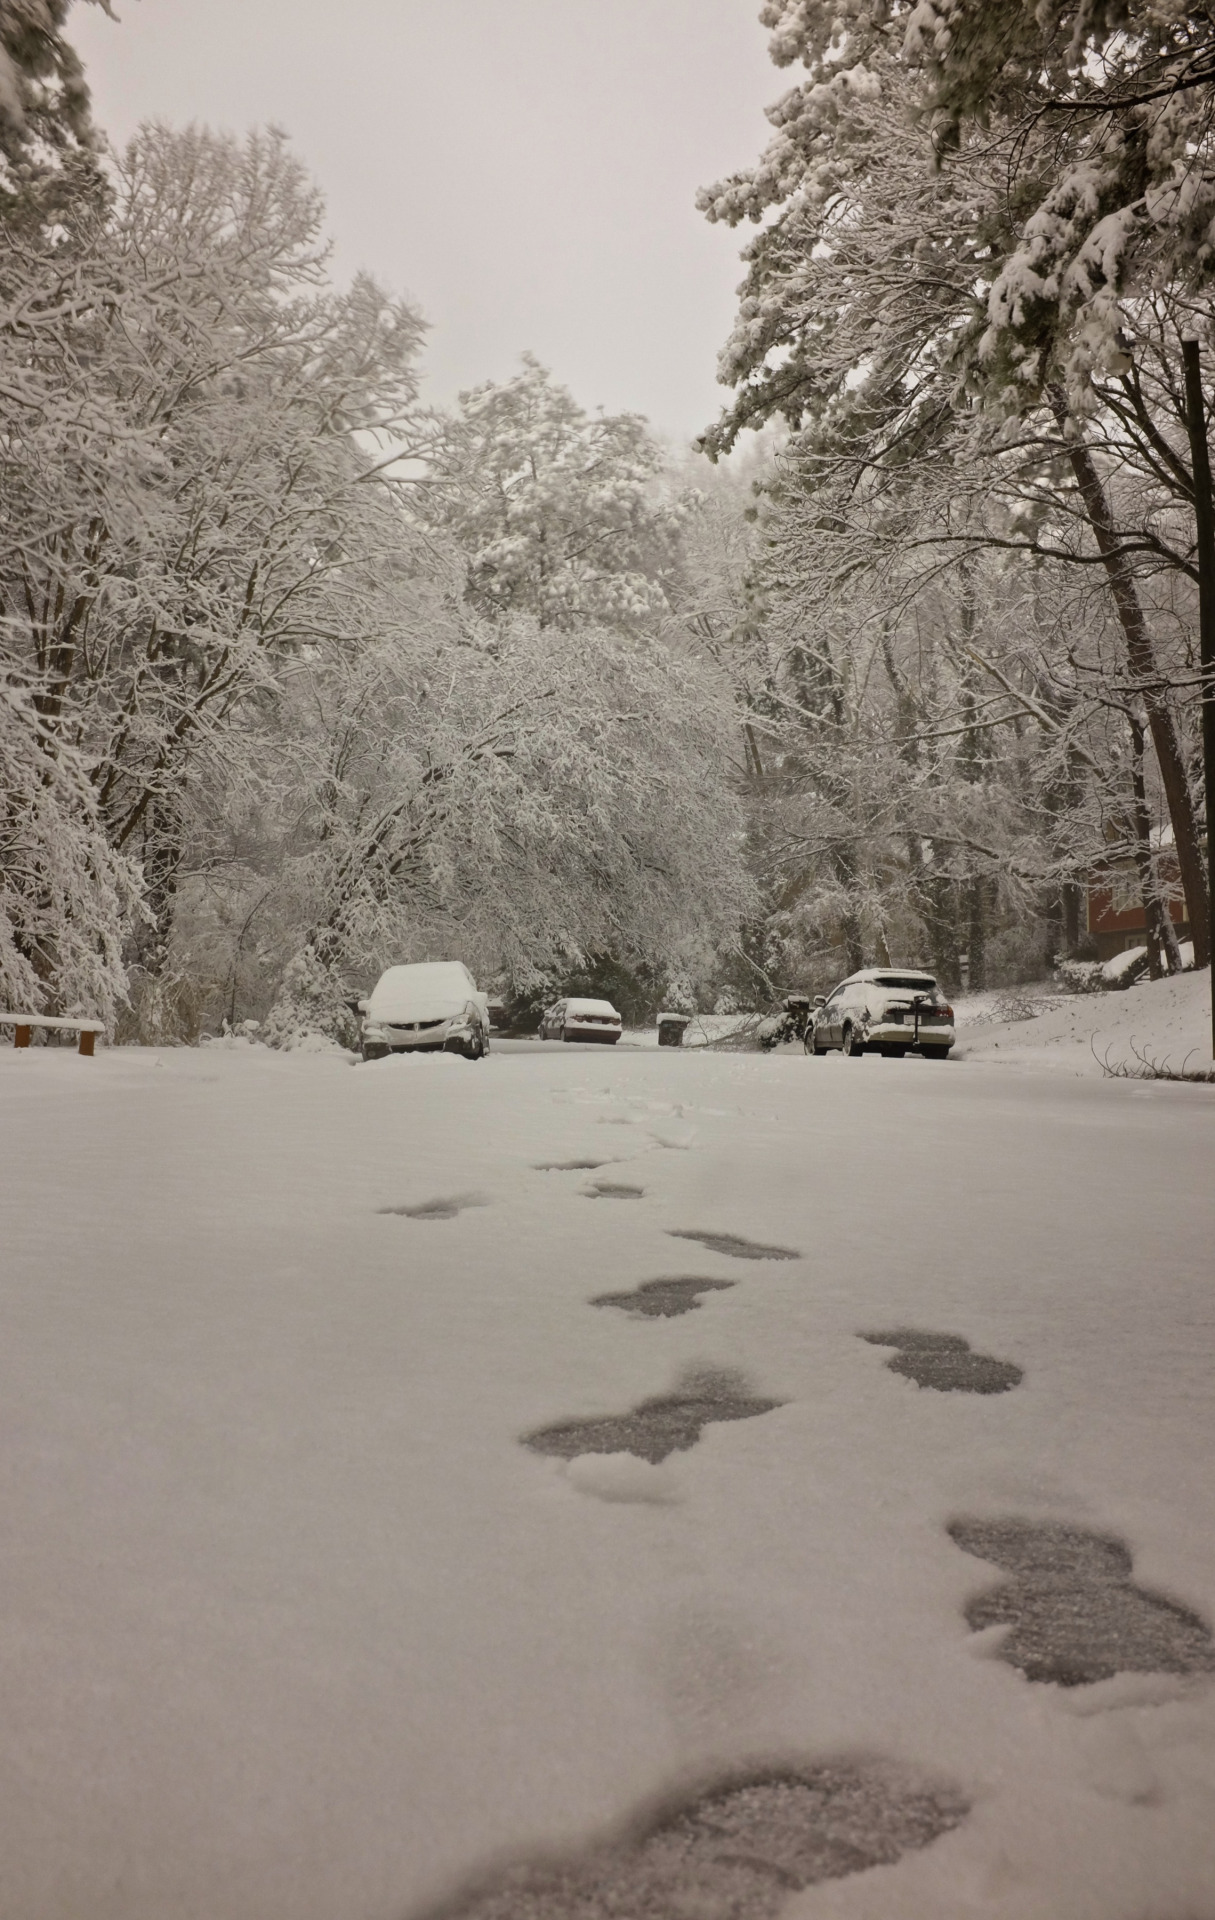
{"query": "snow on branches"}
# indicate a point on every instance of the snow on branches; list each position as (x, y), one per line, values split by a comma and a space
(558, 511)
(298, 679)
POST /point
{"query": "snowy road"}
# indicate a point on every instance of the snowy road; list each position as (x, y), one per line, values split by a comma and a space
(295, 1628)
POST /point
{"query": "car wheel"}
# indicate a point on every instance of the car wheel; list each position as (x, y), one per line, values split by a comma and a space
(892, 1053)
(935, 1053)
(566, 1036)
(853, 1045)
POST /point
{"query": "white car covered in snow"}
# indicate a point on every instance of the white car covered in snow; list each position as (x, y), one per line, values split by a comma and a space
(430, 1007)
(581, 1020)
(886, 1010)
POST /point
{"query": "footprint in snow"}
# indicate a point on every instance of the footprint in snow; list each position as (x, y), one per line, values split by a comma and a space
(569, 1166)
(736, 1849)
(734, 1245)
(612, 1190)
(669, 1423)
(945, 1361)
(665, 1298)
(444, 1209)
(1073, 1612)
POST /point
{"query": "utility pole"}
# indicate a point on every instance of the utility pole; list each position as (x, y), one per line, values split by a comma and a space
(1204, 516)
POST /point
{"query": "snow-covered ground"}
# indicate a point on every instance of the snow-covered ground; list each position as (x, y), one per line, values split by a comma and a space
(1162, 1020)
(294, 1628)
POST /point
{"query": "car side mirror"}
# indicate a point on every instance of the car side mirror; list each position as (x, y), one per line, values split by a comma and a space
(820, 999)
(362, 1006)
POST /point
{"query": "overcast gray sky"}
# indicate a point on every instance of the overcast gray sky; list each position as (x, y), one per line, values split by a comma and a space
(523, 169)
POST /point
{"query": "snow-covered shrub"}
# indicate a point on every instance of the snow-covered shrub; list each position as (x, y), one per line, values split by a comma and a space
(310, 1013)
(1081, 976)
(1125, 968)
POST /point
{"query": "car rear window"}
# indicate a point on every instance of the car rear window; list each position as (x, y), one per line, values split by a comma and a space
(915, 982)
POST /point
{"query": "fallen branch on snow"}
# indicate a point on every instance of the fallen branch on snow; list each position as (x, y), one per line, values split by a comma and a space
(1146, 1068)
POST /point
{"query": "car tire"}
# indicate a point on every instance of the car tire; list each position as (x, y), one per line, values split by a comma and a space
(893, 1053)
(935, 1053)
(854, 1047)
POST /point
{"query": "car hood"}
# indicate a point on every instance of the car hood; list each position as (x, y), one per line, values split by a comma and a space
(401, 1008)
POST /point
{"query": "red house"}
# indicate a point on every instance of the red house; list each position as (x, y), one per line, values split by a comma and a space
(1114, 906)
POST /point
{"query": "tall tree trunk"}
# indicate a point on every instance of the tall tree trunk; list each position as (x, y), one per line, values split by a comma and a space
(162, 852)
(1070, 902)
(843, 859)
(941, 915)
(1161, 933)
(1142, 663)
(976, 940)
(1052, 920)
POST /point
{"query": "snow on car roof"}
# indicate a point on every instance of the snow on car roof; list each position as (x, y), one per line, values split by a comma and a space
(894, 976)
(590, 1006)
(451, 975)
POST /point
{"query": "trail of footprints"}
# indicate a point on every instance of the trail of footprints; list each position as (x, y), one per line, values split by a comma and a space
(739, 1847)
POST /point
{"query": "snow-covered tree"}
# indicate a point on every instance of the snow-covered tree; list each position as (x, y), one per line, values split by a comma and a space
(66, 899)
(560, 513)
(875, 318)
(285, 724)
(1102, 109)
(471, 788)
(190, 495)
(46, 133)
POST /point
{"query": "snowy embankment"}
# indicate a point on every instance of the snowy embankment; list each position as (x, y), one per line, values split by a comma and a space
(296, 1626)
(1165, 1021)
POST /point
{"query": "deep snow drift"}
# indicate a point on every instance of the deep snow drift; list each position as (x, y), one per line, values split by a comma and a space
(296, 1627)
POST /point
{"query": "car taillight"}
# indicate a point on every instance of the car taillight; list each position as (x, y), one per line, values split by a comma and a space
(946, 1013)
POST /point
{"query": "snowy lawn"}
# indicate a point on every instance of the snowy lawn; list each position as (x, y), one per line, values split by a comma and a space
(1167, 1020)
(295, 1626)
